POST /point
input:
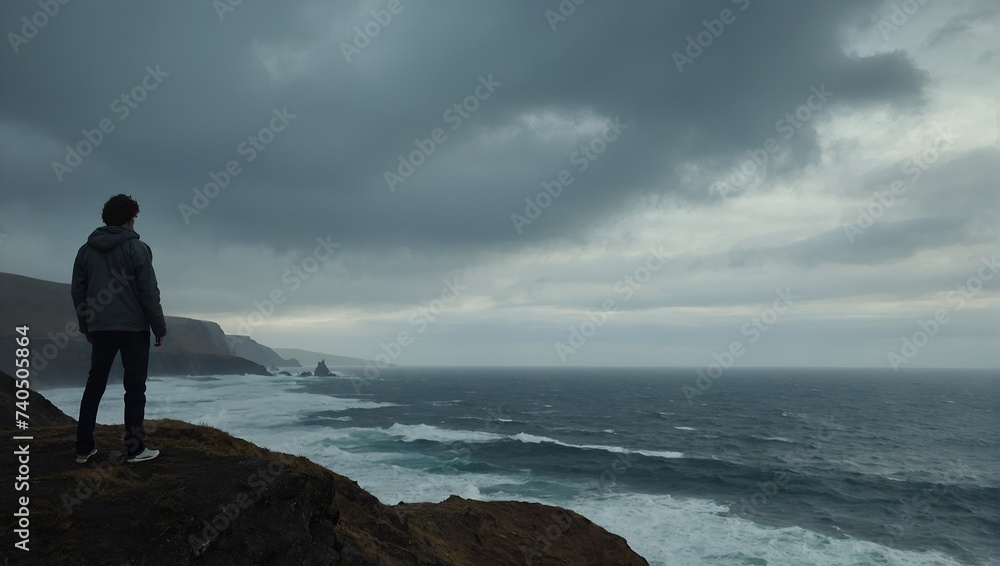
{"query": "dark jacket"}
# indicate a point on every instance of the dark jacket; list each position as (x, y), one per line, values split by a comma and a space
(114, 286)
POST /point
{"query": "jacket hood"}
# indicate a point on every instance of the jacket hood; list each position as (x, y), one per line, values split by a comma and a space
(109, 237)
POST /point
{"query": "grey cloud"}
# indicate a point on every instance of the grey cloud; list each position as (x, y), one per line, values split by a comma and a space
(983, 10)
(882, 242)
(354, 120)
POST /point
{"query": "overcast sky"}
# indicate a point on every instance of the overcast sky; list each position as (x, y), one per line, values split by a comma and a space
(705, 164)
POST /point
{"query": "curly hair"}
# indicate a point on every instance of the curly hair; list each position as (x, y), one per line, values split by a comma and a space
(119, 210)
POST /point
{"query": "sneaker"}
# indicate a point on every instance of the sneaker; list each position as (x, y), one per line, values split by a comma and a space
(146, 454)
(82, 458)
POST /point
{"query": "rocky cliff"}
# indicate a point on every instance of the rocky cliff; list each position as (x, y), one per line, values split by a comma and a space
(214, 499)
(60, 355)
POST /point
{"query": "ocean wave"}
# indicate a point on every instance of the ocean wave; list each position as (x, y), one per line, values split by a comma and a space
(772, 438)
(458, 466)
(650, 523)
(411, 433)
(424, 432)
(685, 428)
(530, 438)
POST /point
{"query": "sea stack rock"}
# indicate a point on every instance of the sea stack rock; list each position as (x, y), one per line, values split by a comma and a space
(322, 370)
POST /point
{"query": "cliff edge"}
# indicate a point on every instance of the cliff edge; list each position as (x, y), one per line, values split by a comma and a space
(214, 499)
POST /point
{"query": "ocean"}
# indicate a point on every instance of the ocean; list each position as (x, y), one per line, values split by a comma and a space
(756, 467)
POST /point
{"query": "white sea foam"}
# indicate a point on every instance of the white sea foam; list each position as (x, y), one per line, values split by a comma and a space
(684, 532)
(658, 453)
(685, 428)
(389, 475)
(410, 433)
(525, 437)
(227, 402)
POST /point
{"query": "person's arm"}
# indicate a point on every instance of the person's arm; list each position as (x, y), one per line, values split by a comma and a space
(149, 291)
(78, 290)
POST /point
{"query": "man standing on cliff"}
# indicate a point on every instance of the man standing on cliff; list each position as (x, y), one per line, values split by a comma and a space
(117, 301)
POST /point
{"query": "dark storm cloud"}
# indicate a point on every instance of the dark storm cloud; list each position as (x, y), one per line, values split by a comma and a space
(325, 170)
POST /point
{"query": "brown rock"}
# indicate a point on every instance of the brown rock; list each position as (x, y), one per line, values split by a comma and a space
(209, 498)
(465, 531)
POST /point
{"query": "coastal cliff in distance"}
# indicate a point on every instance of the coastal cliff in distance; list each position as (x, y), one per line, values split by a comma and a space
(60, 355)
(214, 499)
(247, 347)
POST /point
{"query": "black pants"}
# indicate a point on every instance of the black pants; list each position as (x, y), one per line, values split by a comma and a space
(134, 347)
